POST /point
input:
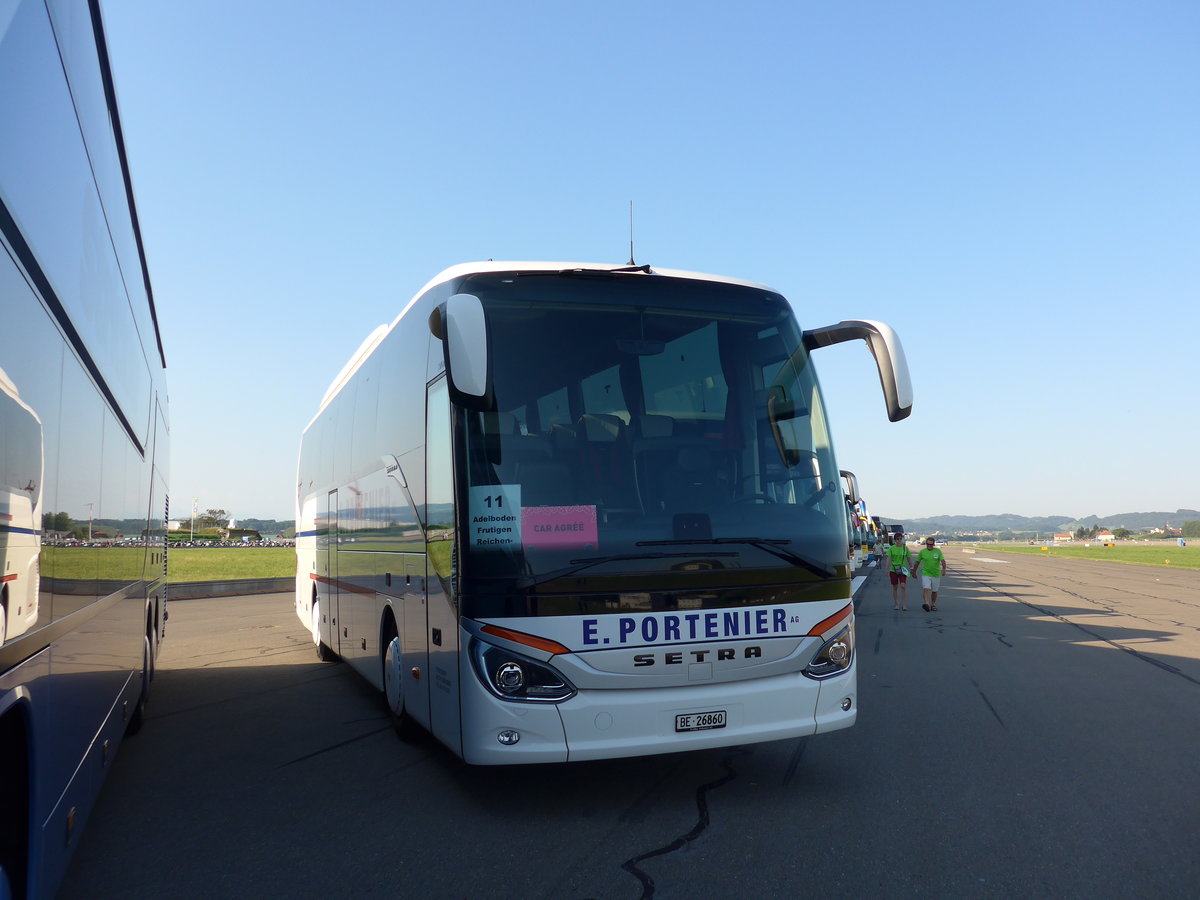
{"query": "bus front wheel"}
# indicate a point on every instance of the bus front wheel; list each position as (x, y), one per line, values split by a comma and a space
(393, 675)
(323, 652)
(139, 710)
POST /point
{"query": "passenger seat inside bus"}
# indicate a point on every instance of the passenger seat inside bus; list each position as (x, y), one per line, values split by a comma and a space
(543, 464)
(695, 483)
(654, 451)
(606, 461)
(526, 459)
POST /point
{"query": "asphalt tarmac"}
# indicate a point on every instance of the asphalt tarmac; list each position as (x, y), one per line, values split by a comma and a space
(1039, 736)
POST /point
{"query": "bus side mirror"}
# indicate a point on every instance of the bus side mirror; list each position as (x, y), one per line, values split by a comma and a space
(851, 481)
(463, 328)
(889, 358)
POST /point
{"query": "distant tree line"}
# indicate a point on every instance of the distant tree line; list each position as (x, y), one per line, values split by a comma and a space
(1190, 529)
(210, 522)
(61, 523)
(212, 518)
(269, 526)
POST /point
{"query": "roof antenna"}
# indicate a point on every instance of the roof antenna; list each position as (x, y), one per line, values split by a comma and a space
(631, 262)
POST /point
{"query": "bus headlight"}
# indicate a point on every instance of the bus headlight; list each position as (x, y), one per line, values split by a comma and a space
(509, 678)
(512, 676)
(834, 657)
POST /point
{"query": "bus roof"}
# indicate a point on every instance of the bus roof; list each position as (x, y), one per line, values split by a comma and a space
(474, 268)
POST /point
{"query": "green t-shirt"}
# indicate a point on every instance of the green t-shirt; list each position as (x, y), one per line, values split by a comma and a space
(930, 561)
(898, 557)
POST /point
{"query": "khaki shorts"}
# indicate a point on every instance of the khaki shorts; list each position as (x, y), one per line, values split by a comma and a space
(930, 582)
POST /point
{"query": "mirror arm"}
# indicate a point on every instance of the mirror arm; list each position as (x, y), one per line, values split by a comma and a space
(885, 346)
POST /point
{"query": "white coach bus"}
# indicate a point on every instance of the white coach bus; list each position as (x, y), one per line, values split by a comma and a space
(565, 512)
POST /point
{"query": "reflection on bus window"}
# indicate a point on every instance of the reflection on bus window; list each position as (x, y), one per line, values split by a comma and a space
(21, 468)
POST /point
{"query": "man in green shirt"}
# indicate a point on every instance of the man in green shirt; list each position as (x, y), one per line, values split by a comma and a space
(899, 560)
(932, 564)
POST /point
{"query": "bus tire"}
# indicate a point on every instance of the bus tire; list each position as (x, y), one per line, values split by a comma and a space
(324, 653)
(138, 719)
(392, 659)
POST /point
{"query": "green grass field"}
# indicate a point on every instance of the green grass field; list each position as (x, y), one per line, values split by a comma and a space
(220, 564)
(1170, 556)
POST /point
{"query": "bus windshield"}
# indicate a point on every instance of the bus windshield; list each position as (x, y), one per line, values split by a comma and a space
(643, 426)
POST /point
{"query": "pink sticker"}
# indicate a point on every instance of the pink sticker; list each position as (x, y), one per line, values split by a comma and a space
(559, 526)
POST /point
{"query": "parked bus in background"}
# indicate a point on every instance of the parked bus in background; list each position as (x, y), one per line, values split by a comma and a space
(868, 530)
(83, 441)
(569, 511)
(881, 531)
(855, 525)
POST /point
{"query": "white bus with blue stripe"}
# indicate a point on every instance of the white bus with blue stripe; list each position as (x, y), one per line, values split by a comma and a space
(561, 512)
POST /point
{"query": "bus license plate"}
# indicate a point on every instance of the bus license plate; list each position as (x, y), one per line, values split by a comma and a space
(700, 721)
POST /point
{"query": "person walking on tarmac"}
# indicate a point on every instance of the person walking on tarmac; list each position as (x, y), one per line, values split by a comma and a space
(932, 563)
(899, 561)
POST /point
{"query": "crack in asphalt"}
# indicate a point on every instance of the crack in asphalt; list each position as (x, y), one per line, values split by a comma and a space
(1166, 667)
(339, 744)
(970, 629)
(702, 823)
(1058, 579)
(794, 762)
(988, 703)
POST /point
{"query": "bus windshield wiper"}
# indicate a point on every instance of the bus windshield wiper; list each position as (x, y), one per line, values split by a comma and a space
(774, 546)
(578, 565)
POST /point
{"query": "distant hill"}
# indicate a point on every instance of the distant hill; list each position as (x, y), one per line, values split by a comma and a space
(1134, 521)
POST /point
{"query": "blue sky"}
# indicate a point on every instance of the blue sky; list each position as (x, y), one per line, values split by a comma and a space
(1012, 185)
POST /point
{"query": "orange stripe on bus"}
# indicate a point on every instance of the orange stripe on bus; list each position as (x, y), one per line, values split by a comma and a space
(529, 640)
(827, 625)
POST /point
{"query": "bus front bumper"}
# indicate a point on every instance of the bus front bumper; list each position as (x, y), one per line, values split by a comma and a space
(607, 724)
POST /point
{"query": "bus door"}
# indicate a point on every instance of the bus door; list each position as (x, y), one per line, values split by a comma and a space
(415, 641)
(328, 568)
(441, 561)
